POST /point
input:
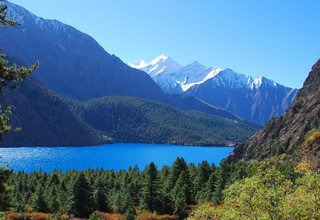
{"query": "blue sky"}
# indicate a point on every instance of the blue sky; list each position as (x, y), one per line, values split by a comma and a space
(276, 39)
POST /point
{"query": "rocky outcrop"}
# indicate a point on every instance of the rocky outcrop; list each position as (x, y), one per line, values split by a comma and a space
(295, 134)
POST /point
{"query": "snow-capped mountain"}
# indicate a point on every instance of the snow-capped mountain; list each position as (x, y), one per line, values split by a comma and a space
(256, 100)
(173, 77)
(161, 64)
(74, 65)
(161, 69)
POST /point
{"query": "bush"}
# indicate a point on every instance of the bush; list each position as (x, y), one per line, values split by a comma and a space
(155, 216)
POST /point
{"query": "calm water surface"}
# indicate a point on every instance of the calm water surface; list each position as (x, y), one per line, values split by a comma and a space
(112, 156)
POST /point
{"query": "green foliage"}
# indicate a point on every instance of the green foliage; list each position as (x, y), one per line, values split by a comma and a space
(82, 197)
(179, 194)
(150, 192)
(38, 201)
(128, 119)
(4, 189)
(268, 194)
(277, 150)
(4, 20)
(94, 216)
(171, 190)
(232, 191)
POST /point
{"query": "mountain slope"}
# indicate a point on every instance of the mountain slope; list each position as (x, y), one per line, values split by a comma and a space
(74, 65)
(49, 120)
(255, 100)
(297, 133)
(45, 119)
(127, 119)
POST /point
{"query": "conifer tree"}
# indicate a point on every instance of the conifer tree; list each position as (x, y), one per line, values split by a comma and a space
(101, 199)
(39, 203)
(4, 192)
(217, 196)
(53, 199)
(180, 196)
(150, 193)
(82, 197)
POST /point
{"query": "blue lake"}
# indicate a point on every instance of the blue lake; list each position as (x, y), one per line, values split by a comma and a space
(112, 156)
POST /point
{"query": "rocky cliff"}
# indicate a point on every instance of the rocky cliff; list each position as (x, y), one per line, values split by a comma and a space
(297, 133)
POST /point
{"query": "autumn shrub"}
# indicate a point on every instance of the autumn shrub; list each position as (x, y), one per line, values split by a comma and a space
(154, 216)
(27, 216)
(109, 216)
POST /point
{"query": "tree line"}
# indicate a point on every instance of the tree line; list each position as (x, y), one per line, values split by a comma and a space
(170, 190)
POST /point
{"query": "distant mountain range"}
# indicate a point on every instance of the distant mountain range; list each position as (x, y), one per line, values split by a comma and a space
(55, 106)
(255, 100)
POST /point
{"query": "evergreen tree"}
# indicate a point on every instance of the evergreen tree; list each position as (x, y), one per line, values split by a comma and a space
(177, 168)
(206, 193)
(180, 196)
(150, 192)
(217, 196)
(4, 191)
(82, 197)
(53, 199)
(39, 203)
(101, 199)
(204, 172)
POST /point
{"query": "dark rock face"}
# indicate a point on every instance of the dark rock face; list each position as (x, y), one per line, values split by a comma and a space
(45, 119)
(290, 133)
(257, 105)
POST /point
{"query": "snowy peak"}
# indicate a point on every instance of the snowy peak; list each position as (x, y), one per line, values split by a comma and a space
(231, 79)
(174, 78)
(160, 64)
(139, 65)
(159, 59)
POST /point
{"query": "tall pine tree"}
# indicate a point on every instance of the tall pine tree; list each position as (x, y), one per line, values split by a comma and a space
(150, 193)
(82, 198)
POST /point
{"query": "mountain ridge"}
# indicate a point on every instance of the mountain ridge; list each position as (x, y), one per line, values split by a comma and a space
(295, 134)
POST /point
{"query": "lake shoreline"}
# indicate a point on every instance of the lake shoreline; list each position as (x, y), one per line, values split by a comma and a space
(110, 156)
(111, 144)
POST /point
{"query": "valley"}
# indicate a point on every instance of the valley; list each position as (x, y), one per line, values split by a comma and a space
(87, 136)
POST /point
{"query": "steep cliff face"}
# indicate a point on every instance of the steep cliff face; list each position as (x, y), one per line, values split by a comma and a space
(296, 134)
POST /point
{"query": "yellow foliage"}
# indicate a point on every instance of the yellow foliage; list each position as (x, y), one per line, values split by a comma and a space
(303, 167)
(313, 136)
